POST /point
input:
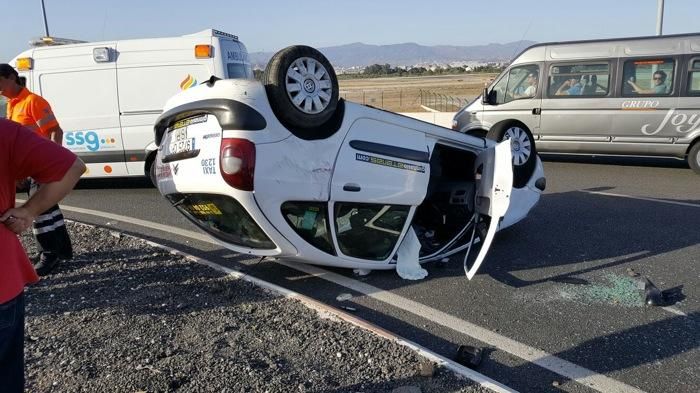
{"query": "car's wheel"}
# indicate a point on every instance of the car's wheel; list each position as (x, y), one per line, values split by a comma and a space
(694, 157)
(522, 145)
(302, 87)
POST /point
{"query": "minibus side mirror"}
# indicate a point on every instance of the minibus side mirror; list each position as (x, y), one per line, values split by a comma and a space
(489, 97)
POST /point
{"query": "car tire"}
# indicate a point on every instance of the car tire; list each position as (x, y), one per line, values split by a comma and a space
(694, 157)
(302, 87)
(522, 147)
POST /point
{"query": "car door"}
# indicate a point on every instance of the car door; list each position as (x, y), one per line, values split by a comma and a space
(494, 186)
(381, 174)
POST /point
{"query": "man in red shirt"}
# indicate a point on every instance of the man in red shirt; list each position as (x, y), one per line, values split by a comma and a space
(34, 112)
(23, 154)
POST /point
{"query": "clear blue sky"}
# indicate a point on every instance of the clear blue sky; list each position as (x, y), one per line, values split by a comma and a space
(269, 25)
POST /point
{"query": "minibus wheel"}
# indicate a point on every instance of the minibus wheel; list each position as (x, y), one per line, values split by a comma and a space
(302, 87)
(694, 157)
(522, 146)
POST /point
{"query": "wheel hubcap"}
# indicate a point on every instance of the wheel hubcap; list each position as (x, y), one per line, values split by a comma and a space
(519, 145)
(309, 85)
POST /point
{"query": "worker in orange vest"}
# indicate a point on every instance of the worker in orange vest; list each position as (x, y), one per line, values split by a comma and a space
(34, 112)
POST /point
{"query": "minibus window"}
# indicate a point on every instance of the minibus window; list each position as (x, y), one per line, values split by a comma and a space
(500, 89)
(579, 80)
(694, 79)
(522, 82)
(648, 77)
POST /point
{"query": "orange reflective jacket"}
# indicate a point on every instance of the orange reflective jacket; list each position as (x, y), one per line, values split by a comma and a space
(32, 111)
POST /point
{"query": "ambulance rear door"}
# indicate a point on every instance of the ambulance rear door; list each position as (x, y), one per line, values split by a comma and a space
(79, 82)
(149, 72)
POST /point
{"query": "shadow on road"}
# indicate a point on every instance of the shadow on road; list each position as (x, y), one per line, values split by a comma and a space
(574, 227)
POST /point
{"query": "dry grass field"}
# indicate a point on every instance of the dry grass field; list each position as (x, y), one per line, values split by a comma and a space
(402, 94)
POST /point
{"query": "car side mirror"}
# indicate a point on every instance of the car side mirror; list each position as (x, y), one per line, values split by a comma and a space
(485, 96)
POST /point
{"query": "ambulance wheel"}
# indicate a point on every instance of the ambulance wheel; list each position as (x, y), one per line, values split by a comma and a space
(694, 157)
(152, 170)
(522, 145)
(302, 87)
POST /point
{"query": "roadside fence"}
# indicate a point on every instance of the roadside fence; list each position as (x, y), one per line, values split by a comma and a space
(404, 100)
(442, 102)
(390, 99)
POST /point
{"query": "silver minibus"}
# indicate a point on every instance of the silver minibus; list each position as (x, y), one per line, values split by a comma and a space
(630, 96)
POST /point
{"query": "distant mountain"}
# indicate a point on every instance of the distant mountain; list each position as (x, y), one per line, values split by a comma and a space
(359, 54)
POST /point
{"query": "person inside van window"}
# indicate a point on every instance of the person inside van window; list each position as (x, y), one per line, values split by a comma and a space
(531, 88)
(571, 87)
(659, 78)
(591, 84)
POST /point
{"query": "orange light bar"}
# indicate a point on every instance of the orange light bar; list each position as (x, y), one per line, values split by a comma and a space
(203, 51)
(25, 63)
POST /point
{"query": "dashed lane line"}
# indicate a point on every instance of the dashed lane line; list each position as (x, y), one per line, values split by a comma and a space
(541, 358)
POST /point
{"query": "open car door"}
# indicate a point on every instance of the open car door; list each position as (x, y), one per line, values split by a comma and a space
(492, 198)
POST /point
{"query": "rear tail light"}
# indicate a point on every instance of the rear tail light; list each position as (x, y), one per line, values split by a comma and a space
(237, 163)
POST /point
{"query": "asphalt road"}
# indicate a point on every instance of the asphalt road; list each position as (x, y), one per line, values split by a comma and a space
(558, 291)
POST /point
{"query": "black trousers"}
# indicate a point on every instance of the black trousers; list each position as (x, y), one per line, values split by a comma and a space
(50, 230)
(12, 345)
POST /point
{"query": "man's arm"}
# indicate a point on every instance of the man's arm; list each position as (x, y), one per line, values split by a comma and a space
(20, 218)
(562, 89)
(638, 89)
(56, 135)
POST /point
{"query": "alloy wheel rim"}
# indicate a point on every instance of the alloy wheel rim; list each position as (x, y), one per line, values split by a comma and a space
(520, 145)
(309, 85)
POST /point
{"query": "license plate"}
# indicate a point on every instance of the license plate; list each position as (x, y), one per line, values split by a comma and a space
(179, 142)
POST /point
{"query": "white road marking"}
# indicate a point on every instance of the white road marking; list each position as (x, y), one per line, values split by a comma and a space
(320, 307)
(541, 358)
(675, 311)
(131, 220)
(643, 198)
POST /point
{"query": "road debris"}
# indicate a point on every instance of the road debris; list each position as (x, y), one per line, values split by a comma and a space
(469, 356)
(343, 297)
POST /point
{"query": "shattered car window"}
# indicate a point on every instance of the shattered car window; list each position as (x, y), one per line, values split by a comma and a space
(369, 231)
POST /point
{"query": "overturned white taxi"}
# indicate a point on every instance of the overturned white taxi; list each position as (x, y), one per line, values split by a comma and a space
(284, 168)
